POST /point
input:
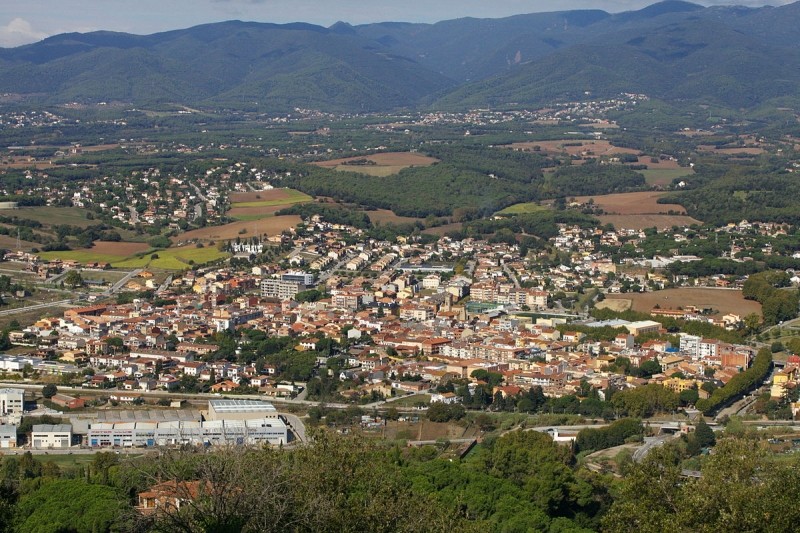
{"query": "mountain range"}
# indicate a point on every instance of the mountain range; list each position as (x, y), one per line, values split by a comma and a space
(734, 57)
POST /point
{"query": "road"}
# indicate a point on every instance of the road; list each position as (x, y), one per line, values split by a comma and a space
(323, 277)
(180, 395)
(134, 215)
(199, 193)
(59, 303)
(649, 444)
(121, 283)
(164, 286)
(54, 279)
(296, 425)
(511, 276)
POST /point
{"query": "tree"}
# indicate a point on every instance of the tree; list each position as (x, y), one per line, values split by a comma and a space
(689, 396)
(704, 434)
(650, 367)
(741, 489)
(69, 505)
(49, 390)
(73, 279)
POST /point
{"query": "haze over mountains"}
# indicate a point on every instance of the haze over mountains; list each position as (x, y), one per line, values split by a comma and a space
(734, 57)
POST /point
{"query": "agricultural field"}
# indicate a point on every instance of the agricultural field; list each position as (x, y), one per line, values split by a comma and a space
(246, 228)
(173, 258)
(638, 222)
(254, 213)
(442, 230)
(250, 206)
(662, 177)
(523, 209)
(574, 147)
(748, 151)
(268, 198)
(722, 301)
(639, 210)
(385, 216)
(425, 430)
(380, 165)
(72, 216)
(102, 251)
(9, 242)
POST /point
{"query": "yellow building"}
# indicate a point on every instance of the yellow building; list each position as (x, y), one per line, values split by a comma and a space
(679, 385)
(781, 380)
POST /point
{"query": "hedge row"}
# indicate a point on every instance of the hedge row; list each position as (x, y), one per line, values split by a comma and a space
(740, 384)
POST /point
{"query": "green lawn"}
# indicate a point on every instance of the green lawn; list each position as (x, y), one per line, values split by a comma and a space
(523, 209)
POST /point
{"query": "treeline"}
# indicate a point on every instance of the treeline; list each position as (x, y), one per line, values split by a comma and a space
(476, 179)
(777, 303)
(645, 401)
(23, 200)
(523, 167)
(542, 225)
(672, 325)
(615, 434)
(418, 191)
(332, 213)
(521, 481)
(592, 178)
(728, 191)
(740, 384)
(715, 266)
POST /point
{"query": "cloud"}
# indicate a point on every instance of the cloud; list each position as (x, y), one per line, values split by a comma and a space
(19, 31)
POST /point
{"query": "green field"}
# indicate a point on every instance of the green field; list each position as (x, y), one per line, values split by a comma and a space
(375, 171)
(292, 197)
(250, 218)
(523, 209)
(82, 256)
(173, 258)
(72, 216)
(664, 176)
(169, 259)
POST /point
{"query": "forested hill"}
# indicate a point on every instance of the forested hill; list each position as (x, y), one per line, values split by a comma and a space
(729, 56)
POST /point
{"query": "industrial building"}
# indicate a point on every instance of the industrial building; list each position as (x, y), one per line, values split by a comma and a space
(12, 401)
(8, 436)
(51, 436)
(241, 422)
(176, 433)
(240, 410)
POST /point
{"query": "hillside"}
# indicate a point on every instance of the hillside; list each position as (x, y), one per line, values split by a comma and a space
(232, 63)
(735, 57)
(699, 60)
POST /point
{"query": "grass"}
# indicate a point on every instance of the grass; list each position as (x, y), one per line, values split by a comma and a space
(410, 401)
(72, 216)
(523, 209)
(664, 176)
(292, 197)
(173, 258)
(250, 218)
(372, 170)
(82, 256)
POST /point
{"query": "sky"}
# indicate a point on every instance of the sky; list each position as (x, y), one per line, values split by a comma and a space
(26, 21)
